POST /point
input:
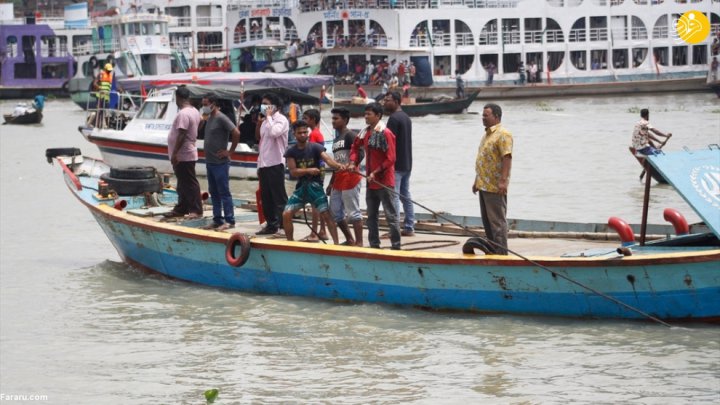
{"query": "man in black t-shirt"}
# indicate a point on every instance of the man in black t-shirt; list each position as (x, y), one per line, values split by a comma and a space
(303, 162)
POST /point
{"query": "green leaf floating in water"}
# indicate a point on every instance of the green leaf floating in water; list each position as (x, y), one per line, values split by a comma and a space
(211, 395)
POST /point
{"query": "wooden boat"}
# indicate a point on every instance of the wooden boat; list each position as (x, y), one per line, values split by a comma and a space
(419, 108)
(30, 117)
(657, 176)
(676, 278)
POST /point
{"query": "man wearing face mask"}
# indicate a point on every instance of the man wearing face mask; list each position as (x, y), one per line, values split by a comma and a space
(218, 130)
(271, 133)
(204, 114)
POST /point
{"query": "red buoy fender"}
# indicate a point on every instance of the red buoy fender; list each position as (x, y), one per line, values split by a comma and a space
(237, 239)
(623, 229)
(677, 220)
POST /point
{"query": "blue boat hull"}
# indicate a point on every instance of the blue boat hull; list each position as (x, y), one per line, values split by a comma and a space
(681, 288)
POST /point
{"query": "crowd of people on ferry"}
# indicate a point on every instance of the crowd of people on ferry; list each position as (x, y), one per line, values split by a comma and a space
(394, 74)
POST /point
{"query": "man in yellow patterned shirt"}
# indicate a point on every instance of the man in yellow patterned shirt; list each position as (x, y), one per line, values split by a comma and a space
(492, 168)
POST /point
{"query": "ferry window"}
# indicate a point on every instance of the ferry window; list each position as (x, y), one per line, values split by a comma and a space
(536, 57)
(578, 59)
(158, 28)
(619, 26)
(290, 30)
(489, 34)
(661, 29)
(533, 31)
(419, 36)
(511, 62)
(680, 55)
(639, 55)
(620, 58)
(553, 32)
(598, 59)
(48, 46)
(638, 30)
(240, 34)
(661, 55)
(54, 70)
(146, 28)
(463, 62)
(463, 34)
(577, 32)
(12, 46)
(153, 110)
(598, 28)
(442, 65)
(511, 30)
(700, 55)
(486, 60)
(555, 59)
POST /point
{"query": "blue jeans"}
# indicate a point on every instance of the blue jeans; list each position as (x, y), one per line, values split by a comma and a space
(373, 199)
(218, 175)
(402, 188)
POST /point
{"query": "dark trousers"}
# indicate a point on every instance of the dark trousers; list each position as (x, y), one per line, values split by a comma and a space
(188, 189)
(273, 194)
(493, 208)
(373, 199)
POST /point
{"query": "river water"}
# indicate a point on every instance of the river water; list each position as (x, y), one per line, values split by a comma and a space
(79, 326)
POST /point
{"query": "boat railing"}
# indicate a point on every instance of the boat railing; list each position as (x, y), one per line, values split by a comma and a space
(101, 116)
(209, 47)
(326, 5)
(209, 21)
(511, 37)
(533, 37)
(661, 31)
(180, 21)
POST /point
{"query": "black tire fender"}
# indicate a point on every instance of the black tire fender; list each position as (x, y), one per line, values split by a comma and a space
(291, 64)
(51, 153)
(476, 243)
(132, 186)
(235, 240)
(66, 87)
(133, 172)
(268, 69)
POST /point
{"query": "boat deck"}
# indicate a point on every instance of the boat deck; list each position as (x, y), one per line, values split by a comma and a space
(429, 236)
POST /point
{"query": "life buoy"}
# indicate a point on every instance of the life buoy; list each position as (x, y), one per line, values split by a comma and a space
(237, 239)
(291, 64)
(677, 220)
(93, 62)
(623, 229)
(476, 243)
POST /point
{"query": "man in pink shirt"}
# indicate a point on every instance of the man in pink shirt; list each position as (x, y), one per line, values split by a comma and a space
(272, 134)
(183, 156)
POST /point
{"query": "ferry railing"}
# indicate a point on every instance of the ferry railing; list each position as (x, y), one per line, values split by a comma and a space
(620, 34)
(180, 22)
(488, 38)
(661, 31)
(463, 38)
(533, 37)
(512, 37)
(598, 34)
(577, 35)
(638, 33)
(209, 47)
(209, 21)
(552, 36)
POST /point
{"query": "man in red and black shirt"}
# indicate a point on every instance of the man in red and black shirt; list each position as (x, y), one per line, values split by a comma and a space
(378, 143)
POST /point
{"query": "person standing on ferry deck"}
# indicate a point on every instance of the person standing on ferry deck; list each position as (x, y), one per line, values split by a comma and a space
(272, 135)
(492, 177)
(401, 126)
(183, 156)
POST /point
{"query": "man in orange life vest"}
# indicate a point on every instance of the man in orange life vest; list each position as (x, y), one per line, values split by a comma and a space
(103, 84)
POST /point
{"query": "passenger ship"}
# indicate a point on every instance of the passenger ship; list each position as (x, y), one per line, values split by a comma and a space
(572, 42)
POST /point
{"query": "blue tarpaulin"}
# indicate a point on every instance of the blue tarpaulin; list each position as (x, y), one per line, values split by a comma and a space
(696, 176)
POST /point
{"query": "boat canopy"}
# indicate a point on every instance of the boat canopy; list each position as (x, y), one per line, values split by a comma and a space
(285, 80)
(696, 176)
(238, 93)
